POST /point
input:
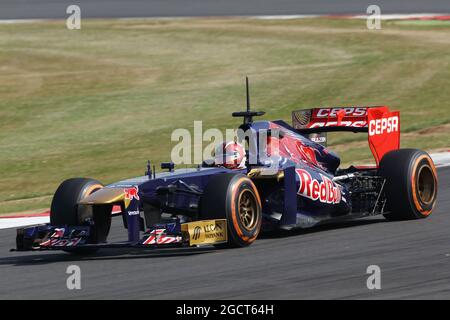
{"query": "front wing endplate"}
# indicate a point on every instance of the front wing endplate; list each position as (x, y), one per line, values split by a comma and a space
(205, 232)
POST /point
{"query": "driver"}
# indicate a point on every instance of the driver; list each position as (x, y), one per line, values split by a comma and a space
(230, 154)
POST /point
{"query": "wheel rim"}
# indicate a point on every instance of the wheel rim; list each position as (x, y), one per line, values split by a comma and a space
(426, 184)
(247, 210)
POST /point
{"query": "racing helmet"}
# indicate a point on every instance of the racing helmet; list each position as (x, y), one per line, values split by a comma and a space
(230, 154)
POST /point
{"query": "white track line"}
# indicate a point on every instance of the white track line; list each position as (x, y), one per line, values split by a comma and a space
(403, 16)
(441, 159)
(258, 17)
(14, 21)
(287, 17)
(7, 223)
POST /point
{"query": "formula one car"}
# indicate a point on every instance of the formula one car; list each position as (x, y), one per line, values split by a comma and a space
(287, 180)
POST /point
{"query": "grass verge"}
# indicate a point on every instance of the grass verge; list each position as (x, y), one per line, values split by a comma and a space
(100, 101)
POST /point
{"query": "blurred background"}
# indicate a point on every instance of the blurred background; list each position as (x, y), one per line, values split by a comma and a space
(100, 101)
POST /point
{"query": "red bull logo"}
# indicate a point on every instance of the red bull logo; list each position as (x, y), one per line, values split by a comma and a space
(131, 193)
(325, 191)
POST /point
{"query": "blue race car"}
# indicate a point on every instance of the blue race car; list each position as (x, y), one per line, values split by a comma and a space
(281, 176)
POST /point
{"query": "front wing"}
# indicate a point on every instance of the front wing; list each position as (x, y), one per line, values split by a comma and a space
(169, 235)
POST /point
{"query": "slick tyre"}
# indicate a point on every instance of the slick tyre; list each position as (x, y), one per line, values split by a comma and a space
(411, 184)
(235, 198)
(65, 210)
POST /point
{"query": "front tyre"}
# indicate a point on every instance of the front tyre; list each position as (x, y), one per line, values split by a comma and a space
(65, 210)
(235, 198)
(411, 184)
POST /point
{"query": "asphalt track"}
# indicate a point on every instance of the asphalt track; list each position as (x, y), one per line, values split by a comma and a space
(322, 263)
(38, 9)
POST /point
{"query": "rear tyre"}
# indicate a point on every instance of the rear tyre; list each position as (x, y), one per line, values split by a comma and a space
(65, 210)
(411, 184)
(235, 198)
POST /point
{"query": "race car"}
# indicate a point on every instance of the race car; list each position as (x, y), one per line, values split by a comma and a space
(278, 176)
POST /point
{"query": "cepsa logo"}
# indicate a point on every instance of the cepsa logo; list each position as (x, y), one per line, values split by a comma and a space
(325, 191)
(353, 124)
(354, 117)
(349, 112)
(383, 125)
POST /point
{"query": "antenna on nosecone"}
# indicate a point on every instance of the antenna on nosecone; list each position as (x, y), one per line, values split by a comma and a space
(247, 94)
(247, 115)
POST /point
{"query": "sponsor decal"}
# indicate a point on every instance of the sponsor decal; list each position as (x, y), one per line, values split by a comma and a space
(325, 191)
(59, 233)
(159, 236)
(383, 125)
(318, 139)
(301, 118)
(197, 232)
(57, 238)
(133, 213)
(206, 231)
(354, 117)
(384, 132)
(131, 193)
(355, 124)
(61, 242)
(349, 112)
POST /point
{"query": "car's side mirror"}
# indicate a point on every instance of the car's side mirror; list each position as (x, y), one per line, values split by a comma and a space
(168, 165)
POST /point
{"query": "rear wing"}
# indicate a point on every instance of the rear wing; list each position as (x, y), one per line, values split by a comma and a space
(382, 125)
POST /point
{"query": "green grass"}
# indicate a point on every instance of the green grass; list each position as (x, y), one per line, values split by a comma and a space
(100, 101)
